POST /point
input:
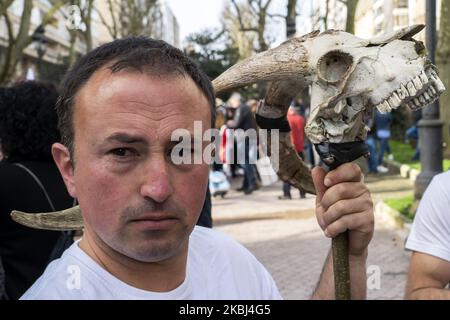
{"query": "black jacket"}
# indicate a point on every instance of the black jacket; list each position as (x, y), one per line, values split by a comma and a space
(243, 119)
(25, 251)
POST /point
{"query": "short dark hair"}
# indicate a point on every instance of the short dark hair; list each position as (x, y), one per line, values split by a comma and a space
(28, 121)
(135, 53)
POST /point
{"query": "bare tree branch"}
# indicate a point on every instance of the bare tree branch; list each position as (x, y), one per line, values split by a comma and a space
(266, 6)
(24, 38)
(113, 17)
(4, 5)
(109, 28)
(9, 28)
(239, 16)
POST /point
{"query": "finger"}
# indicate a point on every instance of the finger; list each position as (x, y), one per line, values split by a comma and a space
(346, 207)
(347, 172)
(342, 191)
(361, 222)
(318, 174)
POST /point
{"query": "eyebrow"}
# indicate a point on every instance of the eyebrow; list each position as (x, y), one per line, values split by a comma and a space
(126, 138)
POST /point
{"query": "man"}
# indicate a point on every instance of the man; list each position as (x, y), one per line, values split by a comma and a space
(297, 124)
(244, 125)
(119, 106)
(383, 134)
(429, 271)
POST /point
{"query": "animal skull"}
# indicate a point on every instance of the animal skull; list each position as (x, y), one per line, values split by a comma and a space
(352, 76)
(348, 77)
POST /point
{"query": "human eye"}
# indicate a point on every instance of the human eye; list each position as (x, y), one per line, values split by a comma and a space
(123, 153)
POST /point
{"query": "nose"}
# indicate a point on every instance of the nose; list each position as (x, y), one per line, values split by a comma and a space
(157, 184)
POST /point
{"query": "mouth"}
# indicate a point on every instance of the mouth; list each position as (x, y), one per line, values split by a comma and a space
(155, 222)
(423, 89)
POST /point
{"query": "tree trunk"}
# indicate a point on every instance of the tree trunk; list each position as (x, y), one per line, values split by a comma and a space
(291, 16)
(23, 39)
(327, 12)
(88, 31)
(16, 46)
(72, 49)
(351, 11)
(261, 29)
(4, 5)
(443, 63)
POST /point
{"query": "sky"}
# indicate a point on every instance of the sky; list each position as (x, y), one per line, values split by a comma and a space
(196, 15)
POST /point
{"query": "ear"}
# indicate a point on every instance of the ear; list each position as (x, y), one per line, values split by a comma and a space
(61, 155)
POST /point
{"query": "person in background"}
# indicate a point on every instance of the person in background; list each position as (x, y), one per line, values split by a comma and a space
(383, 134)
(412, 135)
(253, 105)
(228, 142)
(245, 121)
(372, 146)
(29, 181)
(297, 124)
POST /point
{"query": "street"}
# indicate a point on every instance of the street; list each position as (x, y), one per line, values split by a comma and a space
(285, 237)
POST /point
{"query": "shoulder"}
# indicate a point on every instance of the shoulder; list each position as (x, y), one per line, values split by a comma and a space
(66, 278)
(212, 240)
(430, 232)
(212, 248)
(443, 177)
(438, 189)
(231, 266)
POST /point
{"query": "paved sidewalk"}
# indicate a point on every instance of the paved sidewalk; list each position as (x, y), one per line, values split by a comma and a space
(285, 237)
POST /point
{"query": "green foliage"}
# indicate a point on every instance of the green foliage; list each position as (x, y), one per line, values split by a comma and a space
(214, 54)
(403, 153)
(401, 120)
(403, 205)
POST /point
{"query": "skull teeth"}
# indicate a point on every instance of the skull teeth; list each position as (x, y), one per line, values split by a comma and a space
(402, 92)
(394, 100)
(433, 90)
(423, 77)
(411, 89)
(417, 83)
(416, 93)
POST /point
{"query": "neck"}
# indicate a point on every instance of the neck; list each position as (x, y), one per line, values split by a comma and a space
(161, 276)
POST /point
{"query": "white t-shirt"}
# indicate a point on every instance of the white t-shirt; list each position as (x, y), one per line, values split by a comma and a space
(430, 231)
(218, 267)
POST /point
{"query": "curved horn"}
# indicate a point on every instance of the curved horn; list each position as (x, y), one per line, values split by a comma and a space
(276, 103)
(287, 66)
(289, 61)
(64, 220)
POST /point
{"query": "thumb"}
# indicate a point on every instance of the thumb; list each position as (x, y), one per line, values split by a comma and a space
(318, 175)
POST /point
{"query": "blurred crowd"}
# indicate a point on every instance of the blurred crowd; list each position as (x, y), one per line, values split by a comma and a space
(237, 113)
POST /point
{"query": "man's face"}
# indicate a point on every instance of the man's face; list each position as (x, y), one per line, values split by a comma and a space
(131, 194)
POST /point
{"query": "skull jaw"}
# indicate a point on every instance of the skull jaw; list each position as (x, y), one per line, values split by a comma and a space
(346, 120)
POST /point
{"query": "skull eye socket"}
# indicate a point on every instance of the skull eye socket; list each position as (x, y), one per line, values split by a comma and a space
(334, 66)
